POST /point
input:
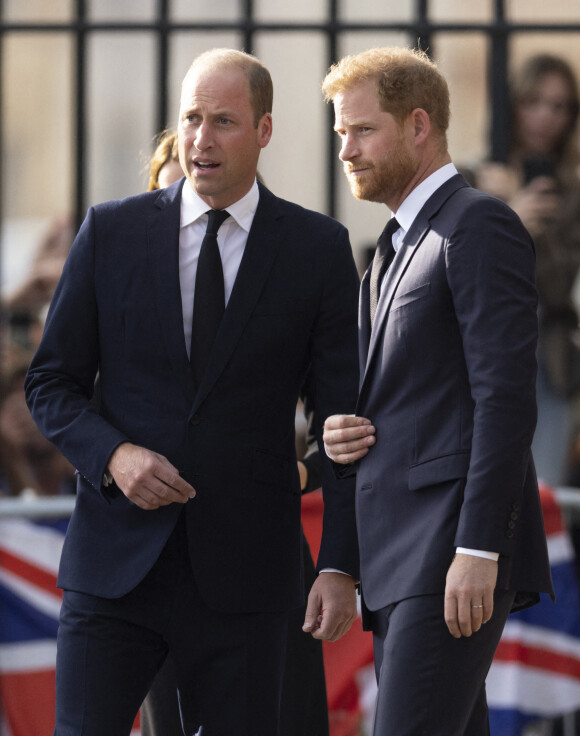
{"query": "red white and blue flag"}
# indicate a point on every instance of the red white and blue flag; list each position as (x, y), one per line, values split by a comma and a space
(29, 608)
(536, 670)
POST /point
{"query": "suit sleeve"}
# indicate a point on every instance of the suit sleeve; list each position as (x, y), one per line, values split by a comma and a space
(333, 384)
(491, 272)
(60, 382)
(311, 458)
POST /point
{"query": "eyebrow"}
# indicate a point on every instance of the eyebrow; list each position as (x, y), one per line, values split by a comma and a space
(352, 124)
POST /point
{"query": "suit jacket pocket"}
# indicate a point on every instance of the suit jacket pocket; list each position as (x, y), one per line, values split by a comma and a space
(408, 297)
(438, 470)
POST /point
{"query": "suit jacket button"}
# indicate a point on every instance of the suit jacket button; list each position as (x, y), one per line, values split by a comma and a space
(513, 515)
(509, 534)
(511, 524)
(195, 420)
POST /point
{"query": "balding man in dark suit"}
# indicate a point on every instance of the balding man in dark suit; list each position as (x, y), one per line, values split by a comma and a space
(204, 308)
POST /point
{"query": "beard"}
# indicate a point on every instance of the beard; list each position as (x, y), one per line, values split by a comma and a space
(384, 178)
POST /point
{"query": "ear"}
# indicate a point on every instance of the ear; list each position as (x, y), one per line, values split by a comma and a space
(421, 125)
(264, 130)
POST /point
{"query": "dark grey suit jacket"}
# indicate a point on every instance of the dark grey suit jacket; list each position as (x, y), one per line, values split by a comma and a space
(448, 380)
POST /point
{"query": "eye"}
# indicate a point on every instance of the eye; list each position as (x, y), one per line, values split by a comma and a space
(560, 108)
(224, 121)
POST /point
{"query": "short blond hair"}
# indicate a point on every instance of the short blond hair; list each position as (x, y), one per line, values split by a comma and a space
(406, 79)
(258, 76)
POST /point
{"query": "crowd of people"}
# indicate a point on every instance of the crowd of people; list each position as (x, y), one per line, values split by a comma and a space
(178, 433)
(29, 464)
(540, 182)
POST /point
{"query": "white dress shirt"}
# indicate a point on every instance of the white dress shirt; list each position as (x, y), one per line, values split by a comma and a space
(232, 238)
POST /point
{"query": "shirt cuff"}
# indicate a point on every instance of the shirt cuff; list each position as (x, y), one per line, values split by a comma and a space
(332, 569)
(478, 553)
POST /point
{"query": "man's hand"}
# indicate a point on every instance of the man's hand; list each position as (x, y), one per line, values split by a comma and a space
(331, 606)
(469, 594)
(347, 437)
(148, 479)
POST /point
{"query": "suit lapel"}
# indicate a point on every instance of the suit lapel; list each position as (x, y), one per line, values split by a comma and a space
(264, 240)
(163, 252)
(364, 321)
(403, 257)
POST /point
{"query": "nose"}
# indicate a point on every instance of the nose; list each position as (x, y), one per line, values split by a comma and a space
(203, 139)
(347, 148)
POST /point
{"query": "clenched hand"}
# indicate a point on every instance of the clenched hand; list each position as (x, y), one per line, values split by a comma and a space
(148, 479)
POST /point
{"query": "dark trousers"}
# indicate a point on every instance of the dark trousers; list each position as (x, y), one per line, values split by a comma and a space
(430, 684)
(228, 667)
(304, 710)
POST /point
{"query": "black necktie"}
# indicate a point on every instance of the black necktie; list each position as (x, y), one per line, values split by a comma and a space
(209, 299)
(384, 255)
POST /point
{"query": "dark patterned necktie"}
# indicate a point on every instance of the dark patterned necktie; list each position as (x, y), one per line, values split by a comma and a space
(384, 255)
(209, 298)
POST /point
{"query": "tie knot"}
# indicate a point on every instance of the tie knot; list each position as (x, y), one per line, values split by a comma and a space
(215, 219)
(385, 241)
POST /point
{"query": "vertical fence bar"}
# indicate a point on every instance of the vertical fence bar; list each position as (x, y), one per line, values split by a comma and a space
(161, 84)
(80, 133)
(248, 25)
(331, 162)
(498, 85)
(423, 40)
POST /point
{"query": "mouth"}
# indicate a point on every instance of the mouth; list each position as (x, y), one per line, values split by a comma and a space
(205, 165)
(356, 172)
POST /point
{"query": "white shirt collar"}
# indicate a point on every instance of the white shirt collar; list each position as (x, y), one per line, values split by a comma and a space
(242, 211)
(413, 204)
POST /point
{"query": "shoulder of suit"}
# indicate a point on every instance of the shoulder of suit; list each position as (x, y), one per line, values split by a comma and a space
(467, 207)
(298, 213)
(133, 202)
(472, 197)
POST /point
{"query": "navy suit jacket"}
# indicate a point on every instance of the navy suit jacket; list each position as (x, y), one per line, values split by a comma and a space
(117, 312)
(448, 379)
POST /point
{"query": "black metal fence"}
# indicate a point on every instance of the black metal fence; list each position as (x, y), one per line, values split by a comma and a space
(498, 30)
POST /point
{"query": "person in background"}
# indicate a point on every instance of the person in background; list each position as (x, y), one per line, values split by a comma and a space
(203, 307)
(303, 709)
(29, 464)
(449, 519)
(540, 182)
(32, 466)
(164, 166)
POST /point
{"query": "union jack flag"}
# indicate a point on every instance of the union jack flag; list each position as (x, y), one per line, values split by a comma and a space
(536, 670)
(535, 674)
(29, 609)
